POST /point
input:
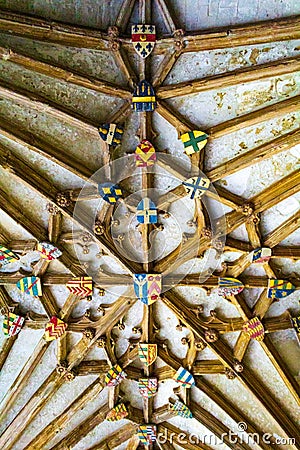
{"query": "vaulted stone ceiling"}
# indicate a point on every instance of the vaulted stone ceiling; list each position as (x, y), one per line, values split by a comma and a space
(64, 71)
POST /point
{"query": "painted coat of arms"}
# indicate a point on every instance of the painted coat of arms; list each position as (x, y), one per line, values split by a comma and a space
(280, 288)
(194, 141)
(110, 192)
(296, 323)
(55, 329)
(147, 434)
(111, 133)
(229, 286)
(119, 412)
(147, 287)
(144, 97)
(145, 155)
(146, 211)
(260, 255)
(115, 376)
(255, 329)
(147, 353)
(30, 285)
(182, 410)
(12, 324)
(48, 251)
(143, 39)
(197, 186)
(148, 387)
(7, 256)
(184, 377)
(81, 286)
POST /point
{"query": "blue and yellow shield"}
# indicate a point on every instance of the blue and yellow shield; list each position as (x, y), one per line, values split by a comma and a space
(229, 286)
(111, 133)
(143, 97)
(146, 211)
(280, 288)
(110, 192)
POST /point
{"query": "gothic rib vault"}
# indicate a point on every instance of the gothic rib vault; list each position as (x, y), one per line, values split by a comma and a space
(240, 85)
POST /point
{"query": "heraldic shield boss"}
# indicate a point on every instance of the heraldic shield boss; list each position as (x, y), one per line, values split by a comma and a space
(197, 186)
(148, 387)
(143, 99)
(7, 256)
(110, 192)
(147, 287)
(55, 329)
(48, 251)
(194, 141)
(80, 286)
(146, 211)
(279, 288)
(12, 324)
(260, 255)
(143, 39)
(145, 155)
(111, 133)
(229, 286)
(254, 329)
(119, 412)
(182, 410)
(30, 285)
(147, 353)
(114, 376)
(147, 434)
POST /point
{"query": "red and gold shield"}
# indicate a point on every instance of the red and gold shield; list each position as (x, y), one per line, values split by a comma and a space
(145, 155)
(255, 329)
(55, 329)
